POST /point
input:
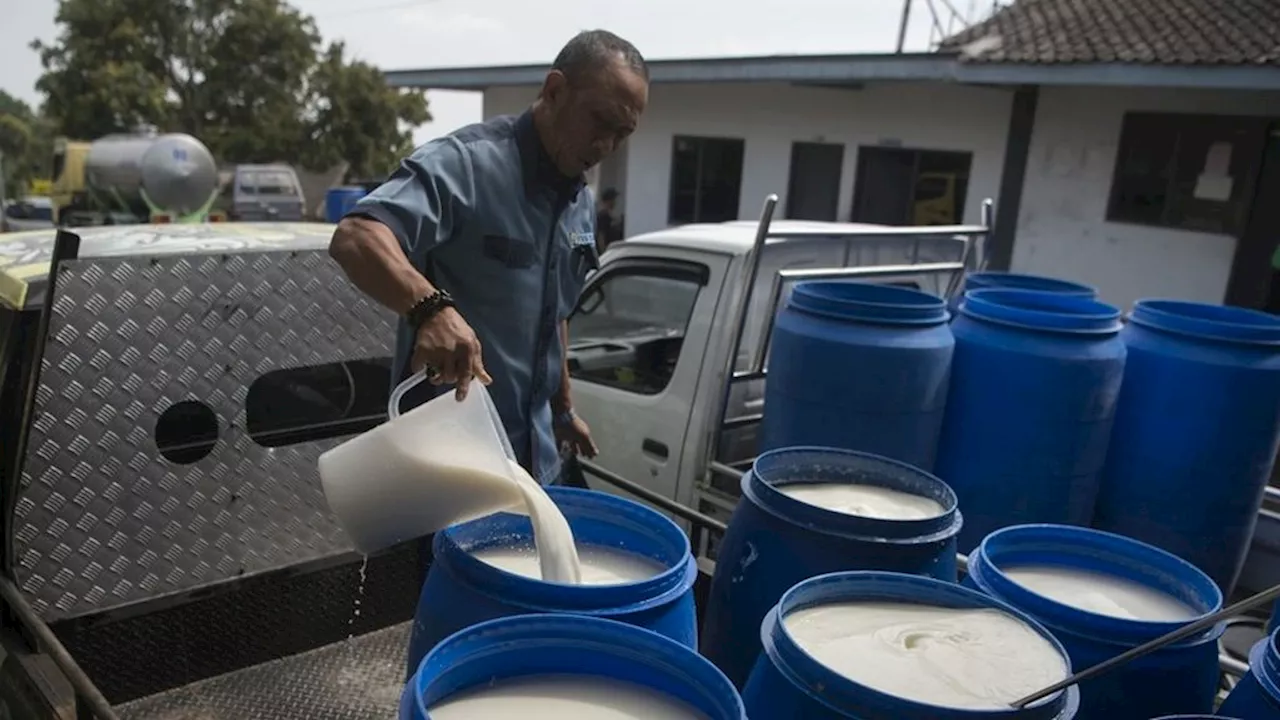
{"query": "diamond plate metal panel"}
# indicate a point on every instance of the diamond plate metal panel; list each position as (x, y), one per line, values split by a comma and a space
(360, 679)
(101, 518)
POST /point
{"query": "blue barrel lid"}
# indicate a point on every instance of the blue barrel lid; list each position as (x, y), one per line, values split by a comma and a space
(869, 302)
(801, 464)
(1019, 281)
(597, 519)
(526, 645)
(1095, 551)
(1209, 322)
(1042, 310)
(867, 585)
(346, 190)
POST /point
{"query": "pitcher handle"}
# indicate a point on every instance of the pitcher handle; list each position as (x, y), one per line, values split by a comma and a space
(413, 381)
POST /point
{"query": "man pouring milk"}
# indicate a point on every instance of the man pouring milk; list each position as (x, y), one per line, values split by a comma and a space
(482, 240)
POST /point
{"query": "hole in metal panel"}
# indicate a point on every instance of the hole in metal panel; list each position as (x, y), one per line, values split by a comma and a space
(186, 432)
(317, 402)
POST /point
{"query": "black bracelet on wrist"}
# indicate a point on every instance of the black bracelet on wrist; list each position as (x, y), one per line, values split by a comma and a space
(428, 307)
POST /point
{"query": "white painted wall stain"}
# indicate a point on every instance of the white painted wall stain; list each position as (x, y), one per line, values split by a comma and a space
(1062, 226)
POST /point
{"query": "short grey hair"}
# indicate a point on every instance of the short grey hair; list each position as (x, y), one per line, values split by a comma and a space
(591, 50)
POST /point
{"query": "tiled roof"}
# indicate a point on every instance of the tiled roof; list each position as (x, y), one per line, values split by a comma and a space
(1147, 32)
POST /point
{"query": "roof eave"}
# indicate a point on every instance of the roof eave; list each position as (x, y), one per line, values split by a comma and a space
(852, 69)
(807, 69)
(1222, 77)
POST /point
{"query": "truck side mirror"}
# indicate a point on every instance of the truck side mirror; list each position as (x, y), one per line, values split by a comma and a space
(590, 301)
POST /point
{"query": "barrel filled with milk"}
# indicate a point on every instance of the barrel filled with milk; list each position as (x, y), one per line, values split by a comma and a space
(1196, 432)
(1031, 403)
(556, 667)
(636, 567)
(867, 645)
(810, 511)
(1102, 594)
(858, 366)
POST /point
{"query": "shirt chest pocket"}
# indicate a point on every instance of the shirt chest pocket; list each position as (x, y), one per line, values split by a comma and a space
(577, 247)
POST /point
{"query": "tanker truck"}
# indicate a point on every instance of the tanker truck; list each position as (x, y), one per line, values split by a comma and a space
(135, 178)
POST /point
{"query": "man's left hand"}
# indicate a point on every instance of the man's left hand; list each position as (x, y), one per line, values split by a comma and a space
(576, 436)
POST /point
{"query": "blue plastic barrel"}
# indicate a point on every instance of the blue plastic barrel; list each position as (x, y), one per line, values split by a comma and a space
(788, 683)
(526, 646)
(1257, 695)
(1182, 677)
(993, 280)
(1275, 614)
(462, 590)
(1193, 717)
(1195, 433)
(858, 366)
(774, 541)
(1033, 394)
(339, 200)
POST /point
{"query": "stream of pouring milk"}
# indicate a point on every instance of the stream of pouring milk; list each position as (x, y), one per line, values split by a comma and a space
(557, 554)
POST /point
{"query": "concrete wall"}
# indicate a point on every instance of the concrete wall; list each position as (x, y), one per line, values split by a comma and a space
(1062, 226)
(771, 117)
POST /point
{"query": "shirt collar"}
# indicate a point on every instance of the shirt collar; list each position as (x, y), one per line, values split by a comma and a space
(537, 167)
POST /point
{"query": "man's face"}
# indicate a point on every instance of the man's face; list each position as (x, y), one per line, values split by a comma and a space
(591, 118)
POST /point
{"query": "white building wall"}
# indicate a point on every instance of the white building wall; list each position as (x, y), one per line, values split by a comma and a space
(770, 117)
(1062, 227)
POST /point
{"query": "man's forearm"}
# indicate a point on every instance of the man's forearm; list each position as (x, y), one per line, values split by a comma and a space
(372, 259)
(562, 402)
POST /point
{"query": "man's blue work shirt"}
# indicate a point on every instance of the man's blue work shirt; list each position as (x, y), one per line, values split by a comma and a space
(484, 214)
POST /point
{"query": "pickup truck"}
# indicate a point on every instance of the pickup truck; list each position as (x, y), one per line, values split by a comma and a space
(669, 343)
(165, 391)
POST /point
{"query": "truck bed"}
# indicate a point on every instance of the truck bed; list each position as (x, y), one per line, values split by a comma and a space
(356, 679)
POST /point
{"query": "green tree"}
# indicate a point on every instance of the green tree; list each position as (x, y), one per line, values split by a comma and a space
(356, 117)
(250, 78)
(26, 144)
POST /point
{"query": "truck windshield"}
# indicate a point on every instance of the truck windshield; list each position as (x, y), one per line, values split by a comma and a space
(267, 182)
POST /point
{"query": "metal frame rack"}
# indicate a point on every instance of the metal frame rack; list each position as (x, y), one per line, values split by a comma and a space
(973, 238)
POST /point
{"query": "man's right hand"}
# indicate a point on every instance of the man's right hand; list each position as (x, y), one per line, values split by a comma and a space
(447, 344)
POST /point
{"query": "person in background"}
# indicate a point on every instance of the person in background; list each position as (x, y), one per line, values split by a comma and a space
(481, 242)
(608, 226)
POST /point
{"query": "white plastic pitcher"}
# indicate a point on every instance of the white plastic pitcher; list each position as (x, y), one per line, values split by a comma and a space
(441, 463)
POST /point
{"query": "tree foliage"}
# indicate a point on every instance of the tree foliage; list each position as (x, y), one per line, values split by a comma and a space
(250, 78)
(25, 144)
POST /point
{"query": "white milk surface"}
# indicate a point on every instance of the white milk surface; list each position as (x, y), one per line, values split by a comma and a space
(1101, 593)
(599, 565)
(563, 697)
(956, 658)
(870, 501)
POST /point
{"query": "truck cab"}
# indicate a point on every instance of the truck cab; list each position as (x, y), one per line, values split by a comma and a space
(264, 193)
(668, 345)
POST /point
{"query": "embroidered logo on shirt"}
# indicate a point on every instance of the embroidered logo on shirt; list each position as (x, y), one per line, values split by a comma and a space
(582, 239)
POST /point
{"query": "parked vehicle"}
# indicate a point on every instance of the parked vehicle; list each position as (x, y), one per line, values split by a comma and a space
(32, 212)
(669, 345)
(264, 193)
